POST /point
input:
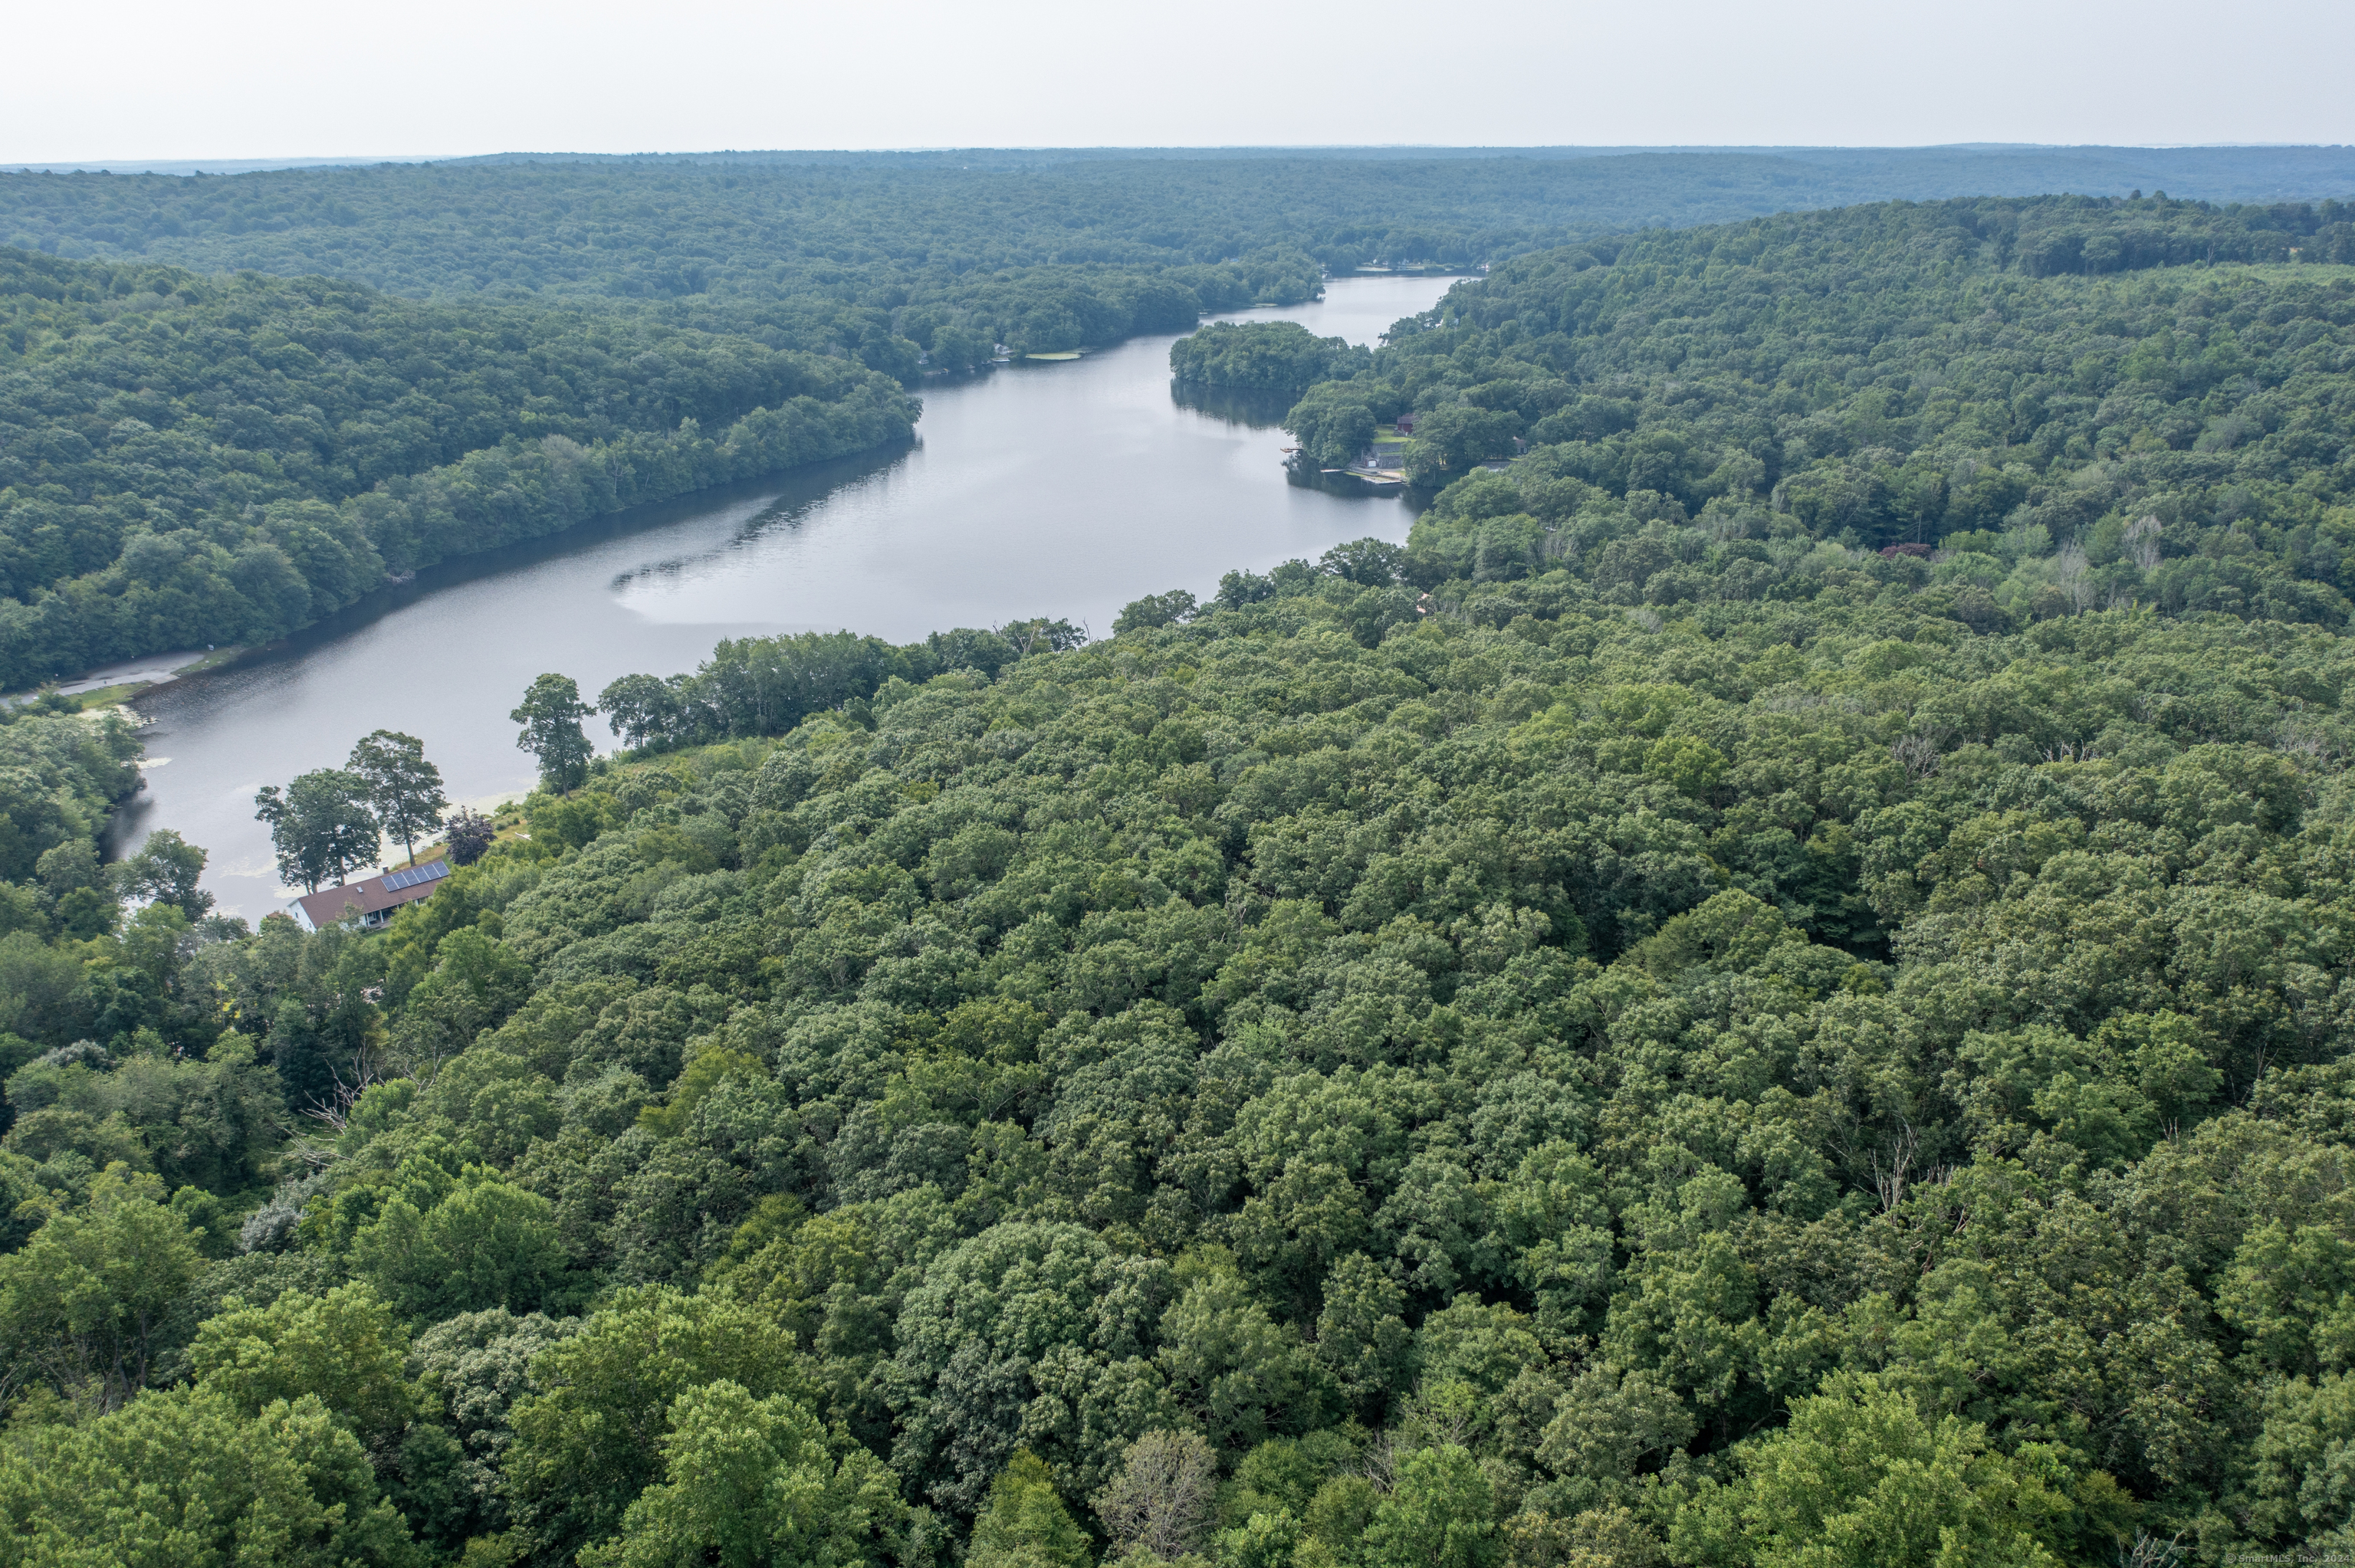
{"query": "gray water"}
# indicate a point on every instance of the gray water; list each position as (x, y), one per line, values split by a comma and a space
(1057, 489)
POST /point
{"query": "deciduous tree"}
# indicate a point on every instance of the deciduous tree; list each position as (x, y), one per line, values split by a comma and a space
(404, 788)
(550, 713)
(321, 826)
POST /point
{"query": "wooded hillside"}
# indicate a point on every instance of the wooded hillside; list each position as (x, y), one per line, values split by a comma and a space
(1771, 990)
(186, 460)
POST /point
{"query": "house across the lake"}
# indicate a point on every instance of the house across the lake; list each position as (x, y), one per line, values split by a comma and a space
(373, 901)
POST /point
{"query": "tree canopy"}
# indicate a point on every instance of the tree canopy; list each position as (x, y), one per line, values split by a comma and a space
(2041, 391)
(404, 789)
(321, 825)
(1653, 1024)
(186, 460)
(1263, 356)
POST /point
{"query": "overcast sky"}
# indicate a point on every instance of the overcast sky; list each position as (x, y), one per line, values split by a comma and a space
(250, 79)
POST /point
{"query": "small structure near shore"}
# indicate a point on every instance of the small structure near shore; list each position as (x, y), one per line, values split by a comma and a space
(373, 900)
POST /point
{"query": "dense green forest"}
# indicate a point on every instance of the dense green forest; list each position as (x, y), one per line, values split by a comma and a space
(950, 253)
(1771, 990)
(1700, 409)
(1524, 1082)
(186, 460)
(881, 266)
(754, 229)
(1263, 356)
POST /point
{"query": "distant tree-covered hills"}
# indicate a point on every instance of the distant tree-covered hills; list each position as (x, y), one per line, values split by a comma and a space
(857, 228)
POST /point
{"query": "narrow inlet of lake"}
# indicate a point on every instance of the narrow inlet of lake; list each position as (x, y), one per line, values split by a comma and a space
(1056, 489)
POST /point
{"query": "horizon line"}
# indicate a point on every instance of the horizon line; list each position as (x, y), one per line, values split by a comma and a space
(267, 163)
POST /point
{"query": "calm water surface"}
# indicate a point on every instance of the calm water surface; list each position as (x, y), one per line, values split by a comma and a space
(1062, 489)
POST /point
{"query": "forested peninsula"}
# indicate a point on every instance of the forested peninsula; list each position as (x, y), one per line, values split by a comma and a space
(1267, 357)
(1770, 989)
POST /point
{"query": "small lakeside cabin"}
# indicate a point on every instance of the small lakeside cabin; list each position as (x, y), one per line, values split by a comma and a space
(373, 900)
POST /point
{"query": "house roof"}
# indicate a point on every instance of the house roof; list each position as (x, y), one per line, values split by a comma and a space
(371, 896)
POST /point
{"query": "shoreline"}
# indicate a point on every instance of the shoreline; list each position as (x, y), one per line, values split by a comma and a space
(112, 685)
(121, 681)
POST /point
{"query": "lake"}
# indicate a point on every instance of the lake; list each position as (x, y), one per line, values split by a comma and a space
(1061, 489)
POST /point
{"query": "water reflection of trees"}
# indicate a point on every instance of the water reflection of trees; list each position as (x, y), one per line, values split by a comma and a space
(1262, 409)
(1251, 407)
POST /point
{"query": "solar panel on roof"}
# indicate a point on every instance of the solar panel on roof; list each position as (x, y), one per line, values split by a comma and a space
(429, 872)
